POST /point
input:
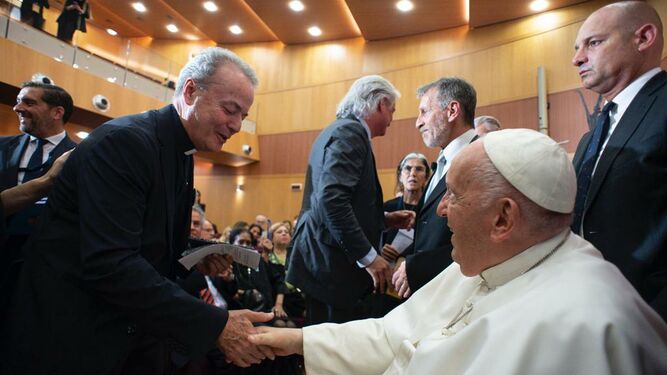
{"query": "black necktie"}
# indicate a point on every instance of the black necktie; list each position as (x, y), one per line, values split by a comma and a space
(34, 168)
(585, 172)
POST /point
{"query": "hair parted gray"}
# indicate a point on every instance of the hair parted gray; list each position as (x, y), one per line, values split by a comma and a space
(202, 215)
(491, 123)
(364, 96)
(454, 88)
(205, 64)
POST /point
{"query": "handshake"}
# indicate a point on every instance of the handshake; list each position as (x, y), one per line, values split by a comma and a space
(244, 344)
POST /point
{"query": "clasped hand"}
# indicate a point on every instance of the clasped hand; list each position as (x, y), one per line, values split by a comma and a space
(235, 341)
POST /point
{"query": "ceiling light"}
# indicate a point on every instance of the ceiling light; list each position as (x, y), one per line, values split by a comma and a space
(139, 7)
(539, 5)
(82, 134)
(235, 29)
(112, 32)
(314, 31)
(172, 28)
(111, 79)
(210, 6)
(405, 5)
(296, 6)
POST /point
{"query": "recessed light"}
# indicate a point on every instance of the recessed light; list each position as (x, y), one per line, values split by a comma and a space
(111, 79)
(405, 5)
(314, 31)
(191, 37)
(236, 29)
(82, 134)
(539, 5)
(210, 6)
(139, 7)
(172, 28)
(112, 32)
(296, 5)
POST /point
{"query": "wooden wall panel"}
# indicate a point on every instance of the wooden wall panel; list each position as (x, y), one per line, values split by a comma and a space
(20, 63)
(267, 194)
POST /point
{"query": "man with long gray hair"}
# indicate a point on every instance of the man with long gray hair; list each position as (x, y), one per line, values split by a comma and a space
(334, 257)
(99, 291)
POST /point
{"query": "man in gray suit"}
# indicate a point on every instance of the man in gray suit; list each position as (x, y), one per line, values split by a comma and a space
(334, 250)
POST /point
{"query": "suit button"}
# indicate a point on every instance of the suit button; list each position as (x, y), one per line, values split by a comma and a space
(131, 330)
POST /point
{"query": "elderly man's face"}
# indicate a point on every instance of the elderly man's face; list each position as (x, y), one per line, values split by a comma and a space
(432, 121)
(468, 222)
(218, 106)
(606, 56)
(195, 224)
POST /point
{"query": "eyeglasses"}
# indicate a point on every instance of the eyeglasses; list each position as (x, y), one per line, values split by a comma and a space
(417, 168)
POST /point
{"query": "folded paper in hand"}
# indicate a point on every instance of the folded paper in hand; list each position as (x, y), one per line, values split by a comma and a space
(241, 255)
(403, 239)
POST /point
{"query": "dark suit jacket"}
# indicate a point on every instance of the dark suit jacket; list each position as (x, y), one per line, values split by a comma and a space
(11, 150)
(625, 215)
(432, 249)
(98, 273)
(341, 217)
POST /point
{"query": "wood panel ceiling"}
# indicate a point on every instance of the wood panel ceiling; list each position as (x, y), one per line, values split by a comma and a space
(272, 20)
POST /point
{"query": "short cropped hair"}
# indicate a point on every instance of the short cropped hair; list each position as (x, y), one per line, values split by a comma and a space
(454, 88)
(54, 96)
(364, 96)
(491, 123)
(204, 65)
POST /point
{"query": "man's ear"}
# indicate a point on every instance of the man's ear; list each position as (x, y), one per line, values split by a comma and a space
(189, 91)
(58, 113)
(504, 223)
(645, 36)
(453, 110)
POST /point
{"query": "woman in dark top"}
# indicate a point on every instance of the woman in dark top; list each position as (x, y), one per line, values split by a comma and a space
(72, 18)
(413, 174)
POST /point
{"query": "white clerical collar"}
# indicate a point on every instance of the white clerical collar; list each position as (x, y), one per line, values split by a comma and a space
(455, 146)
(54, 139)
(190, 152)
(627, 95)
(368, 130)
(523, 262)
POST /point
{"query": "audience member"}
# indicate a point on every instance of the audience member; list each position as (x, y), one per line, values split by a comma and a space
(293, 301)
(446, 113)
(525, 296)
(32, 12)
(263, 223)
(486, 124)
(72, 18)
(334, 247)
(622, 164)
(97, 292)
(196, 221)
(207, 231)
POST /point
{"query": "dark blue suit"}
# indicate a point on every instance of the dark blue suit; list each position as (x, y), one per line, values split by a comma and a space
(625, 214)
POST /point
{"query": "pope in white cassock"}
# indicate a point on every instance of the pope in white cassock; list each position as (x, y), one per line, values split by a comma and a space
(525, 296)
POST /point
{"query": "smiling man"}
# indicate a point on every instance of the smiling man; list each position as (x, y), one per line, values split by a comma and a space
(524, 296)
(622, 163)
(98, 293)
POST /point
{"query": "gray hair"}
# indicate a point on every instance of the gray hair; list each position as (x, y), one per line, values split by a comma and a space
(454, 88)
(200, 211)
(495, 186)
(364, 96)
(416, 155)
(207, 62)
(490, 123)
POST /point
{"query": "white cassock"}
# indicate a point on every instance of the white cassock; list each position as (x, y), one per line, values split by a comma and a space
(556, 308)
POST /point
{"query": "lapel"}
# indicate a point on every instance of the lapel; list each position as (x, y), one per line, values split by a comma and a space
(629, 123)
(162, 122)
(438, 190)
(12, 159)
